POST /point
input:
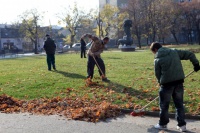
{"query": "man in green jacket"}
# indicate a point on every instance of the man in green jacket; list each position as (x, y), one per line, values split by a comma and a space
(170, 76)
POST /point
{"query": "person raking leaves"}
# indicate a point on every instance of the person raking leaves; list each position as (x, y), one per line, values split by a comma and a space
(94, 56)
(170, 75)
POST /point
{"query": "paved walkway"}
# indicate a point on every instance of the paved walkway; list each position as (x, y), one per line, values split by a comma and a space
(7, 56)
(26, 123)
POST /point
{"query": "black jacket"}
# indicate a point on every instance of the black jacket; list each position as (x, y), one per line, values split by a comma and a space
(49, 46)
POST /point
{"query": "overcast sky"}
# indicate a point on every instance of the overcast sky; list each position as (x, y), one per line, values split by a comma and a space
(11, 9)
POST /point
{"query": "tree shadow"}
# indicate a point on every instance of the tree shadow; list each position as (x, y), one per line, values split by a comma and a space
(71, 75)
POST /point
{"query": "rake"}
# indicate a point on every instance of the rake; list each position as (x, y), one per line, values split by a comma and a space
(141, 112)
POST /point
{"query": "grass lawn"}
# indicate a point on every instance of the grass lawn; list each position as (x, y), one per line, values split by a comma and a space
(132, 85)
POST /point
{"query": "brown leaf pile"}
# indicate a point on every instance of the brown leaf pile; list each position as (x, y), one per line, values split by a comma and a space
(78, 109)
(90, 83)
(195, 50)
(8, 104)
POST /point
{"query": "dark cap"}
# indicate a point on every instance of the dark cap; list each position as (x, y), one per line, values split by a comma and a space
(47, 35)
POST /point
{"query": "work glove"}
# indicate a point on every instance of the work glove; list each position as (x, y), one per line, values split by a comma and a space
(196, 67)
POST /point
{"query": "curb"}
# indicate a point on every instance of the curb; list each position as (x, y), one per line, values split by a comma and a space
(156, 114)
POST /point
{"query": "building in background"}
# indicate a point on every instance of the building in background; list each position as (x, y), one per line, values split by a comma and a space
(10, 39)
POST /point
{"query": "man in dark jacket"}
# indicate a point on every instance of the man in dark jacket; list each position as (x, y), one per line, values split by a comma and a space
(170, 76)
(83, 48)
(50, 48)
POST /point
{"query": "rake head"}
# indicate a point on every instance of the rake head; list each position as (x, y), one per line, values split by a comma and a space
(138, 113)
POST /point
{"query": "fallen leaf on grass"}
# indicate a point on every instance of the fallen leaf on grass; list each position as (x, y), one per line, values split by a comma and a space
(155, 109)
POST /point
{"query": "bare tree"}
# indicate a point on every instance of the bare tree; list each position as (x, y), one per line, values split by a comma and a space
(30, 26)
(107, 17)
(146, 20)
(72, 19)
(192, 17)
(135, 12)
(173, 13)
(163, 23)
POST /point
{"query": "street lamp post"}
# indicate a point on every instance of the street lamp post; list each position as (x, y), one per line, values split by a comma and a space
(99, 27)
(99, 23)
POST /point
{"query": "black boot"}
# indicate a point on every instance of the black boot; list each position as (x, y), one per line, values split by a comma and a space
(54, 67)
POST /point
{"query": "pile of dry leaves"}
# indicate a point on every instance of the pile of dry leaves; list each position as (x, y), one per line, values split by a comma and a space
(78, 109)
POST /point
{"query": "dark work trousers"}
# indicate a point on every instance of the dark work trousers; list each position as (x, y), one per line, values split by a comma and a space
(51, 61)
(176, 92)
(91, 63)
(83, 53)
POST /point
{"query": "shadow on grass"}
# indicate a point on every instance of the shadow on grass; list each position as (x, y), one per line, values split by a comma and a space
(130, 90)
(115, 58)
(71, 75)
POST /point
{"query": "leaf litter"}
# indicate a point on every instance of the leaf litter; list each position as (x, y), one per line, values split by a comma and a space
(74, 107)
(83, 108)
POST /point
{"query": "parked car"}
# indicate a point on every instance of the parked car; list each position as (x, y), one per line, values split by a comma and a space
(88, 45)
(76, 47)
(66, 48)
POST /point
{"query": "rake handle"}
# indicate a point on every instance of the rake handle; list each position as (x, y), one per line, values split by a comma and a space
(158, 96)
(149, 103)
(98, 65)
(189, 74)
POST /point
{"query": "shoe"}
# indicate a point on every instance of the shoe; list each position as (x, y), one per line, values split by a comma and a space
(49, 69)
(158, 126)
(105, 80)
(182, 128)
(54, 67)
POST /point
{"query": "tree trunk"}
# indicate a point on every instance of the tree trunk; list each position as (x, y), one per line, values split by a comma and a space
(36, 50)
(139, 41)
(198, 33)
(154, 35)
(174, 35)
(107, 31)
(190, 41)
(148, 42)
(163, 40)
(72, 39)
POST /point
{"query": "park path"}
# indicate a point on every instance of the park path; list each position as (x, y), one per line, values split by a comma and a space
(27, 123)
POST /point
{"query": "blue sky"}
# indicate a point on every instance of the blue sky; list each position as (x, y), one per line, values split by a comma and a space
(11, 9)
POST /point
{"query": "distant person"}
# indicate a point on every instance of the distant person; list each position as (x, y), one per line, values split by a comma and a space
(94, 52)
(83, 48)
(170, 75)
(50, 48)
